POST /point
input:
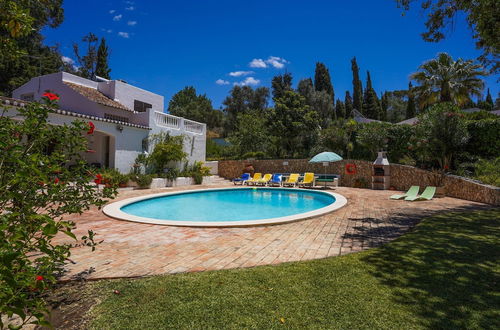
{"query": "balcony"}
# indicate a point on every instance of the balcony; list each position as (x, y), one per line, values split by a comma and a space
(174, 122)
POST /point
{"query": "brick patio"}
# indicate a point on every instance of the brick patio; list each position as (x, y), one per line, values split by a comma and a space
(135, 249)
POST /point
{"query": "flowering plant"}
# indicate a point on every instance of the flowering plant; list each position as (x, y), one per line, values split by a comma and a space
(35, 204)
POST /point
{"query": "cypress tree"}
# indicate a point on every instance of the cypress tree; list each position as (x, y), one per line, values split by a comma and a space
(348, 105)
(489, 101)
(371, 104)
(384, 105)
(410, 106)
(322, 81)
(357, 87)
(340, 109)
(102, 69)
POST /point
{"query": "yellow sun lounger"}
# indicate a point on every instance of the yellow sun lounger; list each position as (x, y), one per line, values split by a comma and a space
(308, 180)
(292, 180)
(256, 177)
(265, 180)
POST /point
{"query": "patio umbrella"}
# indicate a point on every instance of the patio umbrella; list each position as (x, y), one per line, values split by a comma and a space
(325, 158)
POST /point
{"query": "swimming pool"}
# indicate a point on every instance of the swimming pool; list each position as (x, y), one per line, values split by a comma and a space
(226, 207)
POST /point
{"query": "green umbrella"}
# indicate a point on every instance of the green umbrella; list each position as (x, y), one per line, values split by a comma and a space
(325, 158)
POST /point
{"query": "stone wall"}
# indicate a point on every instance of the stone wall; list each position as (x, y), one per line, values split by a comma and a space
(402, 176)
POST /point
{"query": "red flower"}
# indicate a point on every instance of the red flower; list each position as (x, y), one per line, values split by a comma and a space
(446, 167)
(98, 179)
(90, 151)
(51, 96)
(56, 180)
(39, 278)
(41, 183)
(91, 128)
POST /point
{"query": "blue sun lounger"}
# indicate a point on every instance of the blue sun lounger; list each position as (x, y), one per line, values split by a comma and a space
(244, 177)
(275, 180)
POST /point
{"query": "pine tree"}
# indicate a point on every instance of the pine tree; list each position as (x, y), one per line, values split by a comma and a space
(102, 68)
(322, 81)
(371, 104)
(87, 62)
(348, 105)
(356, 86)
(384, 106)
(410, 106)
(340, 109)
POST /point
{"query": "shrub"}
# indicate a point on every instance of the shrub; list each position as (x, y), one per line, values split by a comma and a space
(440, 134)
(113, 177)
(39, 192)
(484, 138)
(142, 180)
(488, 171)
(166, 149)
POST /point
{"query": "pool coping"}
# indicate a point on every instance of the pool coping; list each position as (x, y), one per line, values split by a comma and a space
(113, 210)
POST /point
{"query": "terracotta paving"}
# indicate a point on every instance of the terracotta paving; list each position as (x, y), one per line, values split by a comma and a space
(131, 249)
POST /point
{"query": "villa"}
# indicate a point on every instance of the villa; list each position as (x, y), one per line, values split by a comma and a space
(124, 117)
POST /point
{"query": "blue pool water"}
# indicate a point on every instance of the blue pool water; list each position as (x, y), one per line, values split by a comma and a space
(229, 204)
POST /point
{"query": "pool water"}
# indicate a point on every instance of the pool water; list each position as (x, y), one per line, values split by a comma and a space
(230, 204)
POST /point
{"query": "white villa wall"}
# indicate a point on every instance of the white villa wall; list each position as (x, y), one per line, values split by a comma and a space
(127, 144)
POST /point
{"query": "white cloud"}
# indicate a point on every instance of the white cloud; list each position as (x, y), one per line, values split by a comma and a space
(106, 30)
(130, 8)
(277, 62)
(67, 60)
(117, 17)
(129, 2)
(240, 73)
(249, 81)
(131, 23)
(112, 11)
(274, 61)
(222, 82)
(257, 63)
(124, 35)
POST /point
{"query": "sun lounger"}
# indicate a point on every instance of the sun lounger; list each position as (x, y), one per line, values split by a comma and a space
(256, 177)
(412, 192)
(427, 195)
(292, 180)
(276, 180)
(264, 180)
(308, 180)
(241, 180)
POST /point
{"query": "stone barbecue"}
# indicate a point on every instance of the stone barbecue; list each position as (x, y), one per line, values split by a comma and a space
(381, 172)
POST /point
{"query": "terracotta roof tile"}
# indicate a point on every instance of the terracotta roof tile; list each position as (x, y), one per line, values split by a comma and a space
(95, 96)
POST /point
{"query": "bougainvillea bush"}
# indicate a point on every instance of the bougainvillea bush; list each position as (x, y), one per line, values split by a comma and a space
(43, 181)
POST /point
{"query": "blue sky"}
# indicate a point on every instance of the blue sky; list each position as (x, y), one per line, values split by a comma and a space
(163, 46)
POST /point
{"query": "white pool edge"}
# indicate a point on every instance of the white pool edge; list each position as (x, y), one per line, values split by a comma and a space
(113, 210)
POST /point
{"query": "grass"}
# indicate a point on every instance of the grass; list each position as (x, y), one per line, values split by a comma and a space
(444, 274)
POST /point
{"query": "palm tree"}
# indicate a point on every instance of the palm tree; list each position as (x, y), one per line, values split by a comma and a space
(444, 80)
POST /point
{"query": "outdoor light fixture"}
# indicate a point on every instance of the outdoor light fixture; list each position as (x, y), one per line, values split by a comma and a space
(119, 127)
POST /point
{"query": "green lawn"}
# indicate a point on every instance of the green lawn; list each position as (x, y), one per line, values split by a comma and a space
(444, 274)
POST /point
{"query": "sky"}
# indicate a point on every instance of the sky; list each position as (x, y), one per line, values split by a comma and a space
(163, 46)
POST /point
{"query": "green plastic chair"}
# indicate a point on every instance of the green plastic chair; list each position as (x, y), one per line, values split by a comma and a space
(412, 192)
(427, 195)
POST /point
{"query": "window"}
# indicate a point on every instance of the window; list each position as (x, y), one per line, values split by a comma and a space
(115, 117)
(140, 106)
(29, 97)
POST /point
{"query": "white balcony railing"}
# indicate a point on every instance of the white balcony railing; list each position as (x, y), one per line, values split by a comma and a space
(165, 120)
(169, 121)
(193, 126)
